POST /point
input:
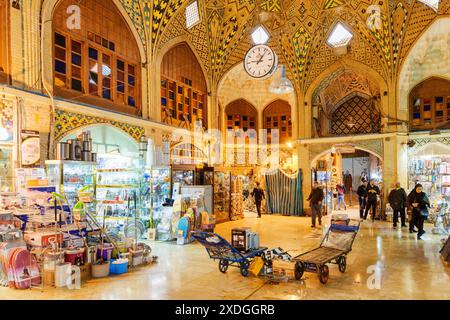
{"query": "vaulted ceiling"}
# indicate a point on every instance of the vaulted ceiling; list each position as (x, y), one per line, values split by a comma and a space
(298, 29)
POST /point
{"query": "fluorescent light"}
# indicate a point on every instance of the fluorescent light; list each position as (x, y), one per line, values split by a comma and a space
(340, 36)
(260, 35)
(192, 15)
(434, 4)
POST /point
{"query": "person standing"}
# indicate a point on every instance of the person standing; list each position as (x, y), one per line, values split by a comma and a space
(397, 200)
(315, 199)
(420, 203)
(341, 196)
(372, 198)
(362, 197)
(258, 194)
(348, 182)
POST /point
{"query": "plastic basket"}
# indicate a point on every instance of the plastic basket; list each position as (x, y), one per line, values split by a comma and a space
(118, 268)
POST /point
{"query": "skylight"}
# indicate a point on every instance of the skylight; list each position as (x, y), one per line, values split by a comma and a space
(431, 3)
(260, 35)
(340, 36)
(192, 15)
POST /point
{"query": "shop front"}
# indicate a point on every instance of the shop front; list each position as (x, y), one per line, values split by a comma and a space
(429, 165)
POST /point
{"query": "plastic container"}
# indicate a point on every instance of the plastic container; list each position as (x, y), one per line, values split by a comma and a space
(118, 268)
(100, 270)
(105, 252)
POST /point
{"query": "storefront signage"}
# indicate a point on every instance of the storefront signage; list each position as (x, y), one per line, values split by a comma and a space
(30, 148)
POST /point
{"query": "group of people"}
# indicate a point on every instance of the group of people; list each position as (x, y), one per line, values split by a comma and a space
(418, 203)
(368, 193)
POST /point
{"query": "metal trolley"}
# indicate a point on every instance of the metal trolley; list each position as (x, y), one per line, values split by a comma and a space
(220, 249)
(334, 248)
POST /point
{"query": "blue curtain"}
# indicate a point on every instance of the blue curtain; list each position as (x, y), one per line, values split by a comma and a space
(284, 194)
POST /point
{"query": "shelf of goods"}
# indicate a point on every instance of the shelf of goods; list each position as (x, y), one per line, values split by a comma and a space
(237, 198)
(160, 187)
(70, 177)
(118, 200)
(222, 196)
(183, 176)
(434, 175)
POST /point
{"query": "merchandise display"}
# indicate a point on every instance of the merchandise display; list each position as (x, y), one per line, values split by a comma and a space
(237, 198)
(183, 176)
(222, 195)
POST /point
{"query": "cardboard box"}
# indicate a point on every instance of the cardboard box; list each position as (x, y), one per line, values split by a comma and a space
(283, 268)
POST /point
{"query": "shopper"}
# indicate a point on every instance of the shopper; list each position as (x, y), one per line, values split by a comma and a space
(258, 194)
(348, 182)
(419, 202)
(315, 198)
(397, 201)
(372, 198)
(362, 197)
(341, 196)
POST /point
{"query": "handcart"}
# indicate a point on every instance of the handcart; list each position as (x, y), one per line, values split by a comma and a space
(334, 248)
(220, 249)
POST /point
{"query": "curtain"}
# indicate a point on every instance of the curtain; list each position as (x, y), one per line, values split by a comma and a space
(284, 193)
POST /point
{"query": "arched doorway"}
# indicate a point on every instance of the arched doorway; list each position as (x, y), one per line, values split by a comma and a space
(349, 165)
(183, 88)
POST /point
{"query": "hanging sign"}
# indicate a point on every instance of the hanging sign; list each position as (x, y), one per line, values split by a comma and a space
(30, 148)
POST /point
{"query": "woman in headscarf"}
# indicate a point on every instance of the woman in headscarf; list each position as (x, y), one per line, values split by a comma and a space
(419, 203)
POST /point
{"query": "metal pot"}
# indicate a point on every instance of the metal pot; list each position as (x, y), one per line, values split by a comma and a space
(63, 151)
(72, 149)
(94, 157)
(87, 146)
(85, 156)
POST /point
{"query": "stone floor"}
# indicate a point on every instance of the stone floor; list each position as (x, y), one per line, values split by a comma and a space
(410, 269)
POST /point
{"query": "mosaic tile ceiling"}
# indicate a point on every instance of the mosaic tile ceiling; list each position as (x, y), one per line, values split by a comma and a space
(384, 30)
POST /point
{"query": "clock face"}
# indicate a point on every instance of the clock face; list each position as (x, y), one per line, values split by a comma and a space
(260, 61)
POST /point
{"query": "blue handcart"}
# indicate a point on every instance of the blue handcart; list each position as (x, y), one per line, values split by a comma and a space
(220, 249)
(334, 248)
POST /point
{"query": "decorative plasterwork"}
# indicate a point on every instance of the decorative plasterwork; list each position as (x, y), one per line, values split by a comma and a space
(66, 122)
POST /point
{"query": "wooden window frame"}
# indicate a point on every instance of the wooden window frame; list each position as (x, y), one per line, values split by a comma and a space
(189, 109)
(101, 51)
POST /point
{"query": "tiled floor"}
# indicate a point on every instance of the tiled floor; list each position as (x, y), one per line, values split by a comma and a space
(410, 269)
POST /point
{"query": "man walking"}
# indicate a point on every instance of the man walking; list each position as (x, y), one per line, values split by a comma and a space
(397, 200)
(315, 198)
(372, 198)
(258, 194)
(362, 197)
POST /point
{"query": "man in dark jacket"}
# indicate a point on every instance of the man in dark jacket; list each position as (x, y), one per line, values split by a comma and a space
(315, 198)
(362, 197)
(397, 201)
(372, 198)
(258, 194)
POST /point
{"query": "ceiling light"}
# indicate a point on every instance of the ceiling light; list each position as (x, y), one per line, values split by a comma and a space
(434, 4)
(192, 15)
(260, 35)
(340, 36)
(281, 85)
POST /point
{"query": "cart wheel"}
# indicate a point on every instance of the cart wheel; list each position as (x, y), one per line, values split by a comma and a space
(299, 270)
(342, 262)
(223, 265)
(324, 273)
(244, 268)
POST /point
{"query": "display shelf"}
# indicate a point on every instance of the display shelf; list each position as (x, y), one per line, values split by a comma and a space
(117, 186)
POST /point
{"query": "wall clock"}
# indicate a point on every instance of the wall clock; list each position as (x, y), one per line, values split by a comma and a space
(260, 61)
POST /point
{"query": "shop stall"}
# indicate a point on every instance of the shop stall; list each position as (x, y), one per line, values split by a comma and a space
(222, 194)
(430, 166)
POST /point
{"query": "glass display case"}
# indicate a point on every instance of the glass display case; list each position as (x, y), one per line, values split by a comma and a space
(222, 195)
(160, 189)
(71, 177)
(184, 175)
(118, 194)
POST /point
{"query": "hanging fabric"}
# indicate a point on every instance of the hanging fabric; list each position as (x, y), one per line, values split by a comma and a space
(284, 193)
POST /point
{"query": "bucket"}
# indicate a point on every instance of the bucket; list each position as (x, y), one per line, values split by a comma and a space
(104, 252)
(119, 266)
(100, 270)
(75, 256)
